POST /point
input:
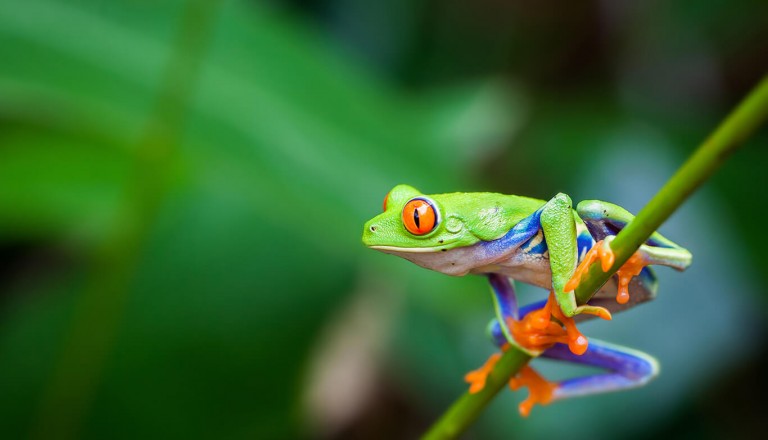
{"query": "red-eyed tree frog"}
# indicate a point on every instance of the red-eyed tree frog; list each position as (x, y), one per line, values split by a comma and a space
(544, 243)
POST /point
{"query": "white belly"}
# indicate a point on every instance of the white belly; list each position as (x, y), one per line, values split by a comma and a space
(527, 268)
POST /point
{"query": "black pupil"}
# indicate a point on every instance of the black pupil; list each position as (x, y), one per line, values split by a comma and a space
(416, 217)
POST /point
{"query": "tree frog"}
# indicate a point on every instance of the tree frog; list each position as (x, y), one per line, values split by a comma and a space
(545, 243)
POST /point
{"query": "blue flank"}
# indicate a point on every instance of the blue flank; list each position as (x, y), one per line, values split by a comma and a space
(519, 234)
(525, 231)
(539, 249)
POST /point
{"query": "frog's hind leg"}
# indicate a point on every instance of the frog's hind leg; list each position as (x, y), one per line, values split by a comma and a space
(627, 369)
(676, 258)
(604, 220)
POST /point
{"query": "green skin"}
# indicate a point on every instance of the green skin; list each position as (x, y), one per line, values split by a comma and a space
(469, 222)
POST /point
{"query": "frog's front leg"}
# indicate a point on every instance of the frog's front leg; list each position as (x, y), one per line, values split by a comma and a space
(533, 334)
(559, 227)
(604, 220)
(627, 368)
(536, 331)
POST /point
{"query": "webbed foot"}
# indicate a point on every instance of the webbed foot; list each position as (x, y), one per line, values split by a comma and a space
(540, 390)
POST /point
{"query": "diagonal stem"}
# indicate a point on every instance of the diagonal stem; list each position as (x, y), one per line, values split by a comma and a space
(731, 133)
(748, 116)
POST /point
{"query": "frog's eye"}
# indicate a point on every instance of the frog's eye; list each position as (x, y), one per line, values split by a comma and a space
(386, 199)
(420, 216)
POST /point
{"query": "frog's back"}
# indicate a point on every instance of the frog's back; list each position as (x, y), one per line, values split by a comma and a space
(492, 214)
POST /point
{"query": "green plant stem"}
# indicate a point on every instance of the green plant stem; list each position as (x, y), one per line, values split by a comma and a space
(750, 114)
(468, 407)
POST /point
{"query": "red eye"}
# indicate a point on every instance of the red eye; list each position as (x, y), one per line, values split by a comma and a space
(419, 217)
(386, 199)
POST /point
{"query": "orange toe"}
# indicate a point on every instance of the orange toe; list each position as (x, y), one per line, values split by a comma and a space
(629, 270)
(581, 270)
(598, 252)
(606, 255)
(540, 390)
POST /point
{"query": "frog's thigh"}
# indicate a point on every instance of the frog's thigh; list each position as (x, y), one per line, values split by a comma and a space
(559, 228)
(627, 369)
(598, 214)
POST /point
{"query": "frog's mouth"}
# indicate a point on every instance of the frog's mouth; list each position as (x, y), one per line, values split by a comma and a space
(420, 250)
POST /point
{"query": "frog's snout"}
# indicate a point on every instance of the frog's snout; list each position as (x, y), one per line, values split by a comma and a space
(369, 232)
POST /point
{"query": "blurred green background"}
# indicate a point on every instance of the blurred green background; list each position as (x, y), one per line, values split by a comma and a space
(183, 187)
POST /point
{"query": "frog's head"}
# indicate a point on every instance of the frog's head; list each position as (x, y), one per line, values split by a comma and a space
(423, 229)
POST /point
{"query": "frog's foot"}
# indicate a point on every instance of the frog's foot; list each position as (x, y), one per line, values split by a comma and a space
(539, 389)
(537, 331)
(629, 270)
(602, 251)
(477, 378)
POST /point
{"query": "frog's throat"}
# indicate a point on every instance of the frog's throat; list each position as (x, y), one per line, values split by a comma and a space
(456, 261)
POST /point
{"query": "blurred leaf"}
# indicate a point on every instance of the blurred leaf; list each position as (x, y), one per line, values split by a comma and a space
(284, 146)
(51, 181)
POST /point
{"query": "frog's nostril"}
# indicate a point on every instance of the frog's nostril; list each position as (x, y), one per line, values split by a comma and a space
(373, 228)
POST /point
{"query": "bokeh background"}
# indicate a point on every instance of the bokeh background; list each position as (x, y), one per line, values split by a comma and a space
(183, 186)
